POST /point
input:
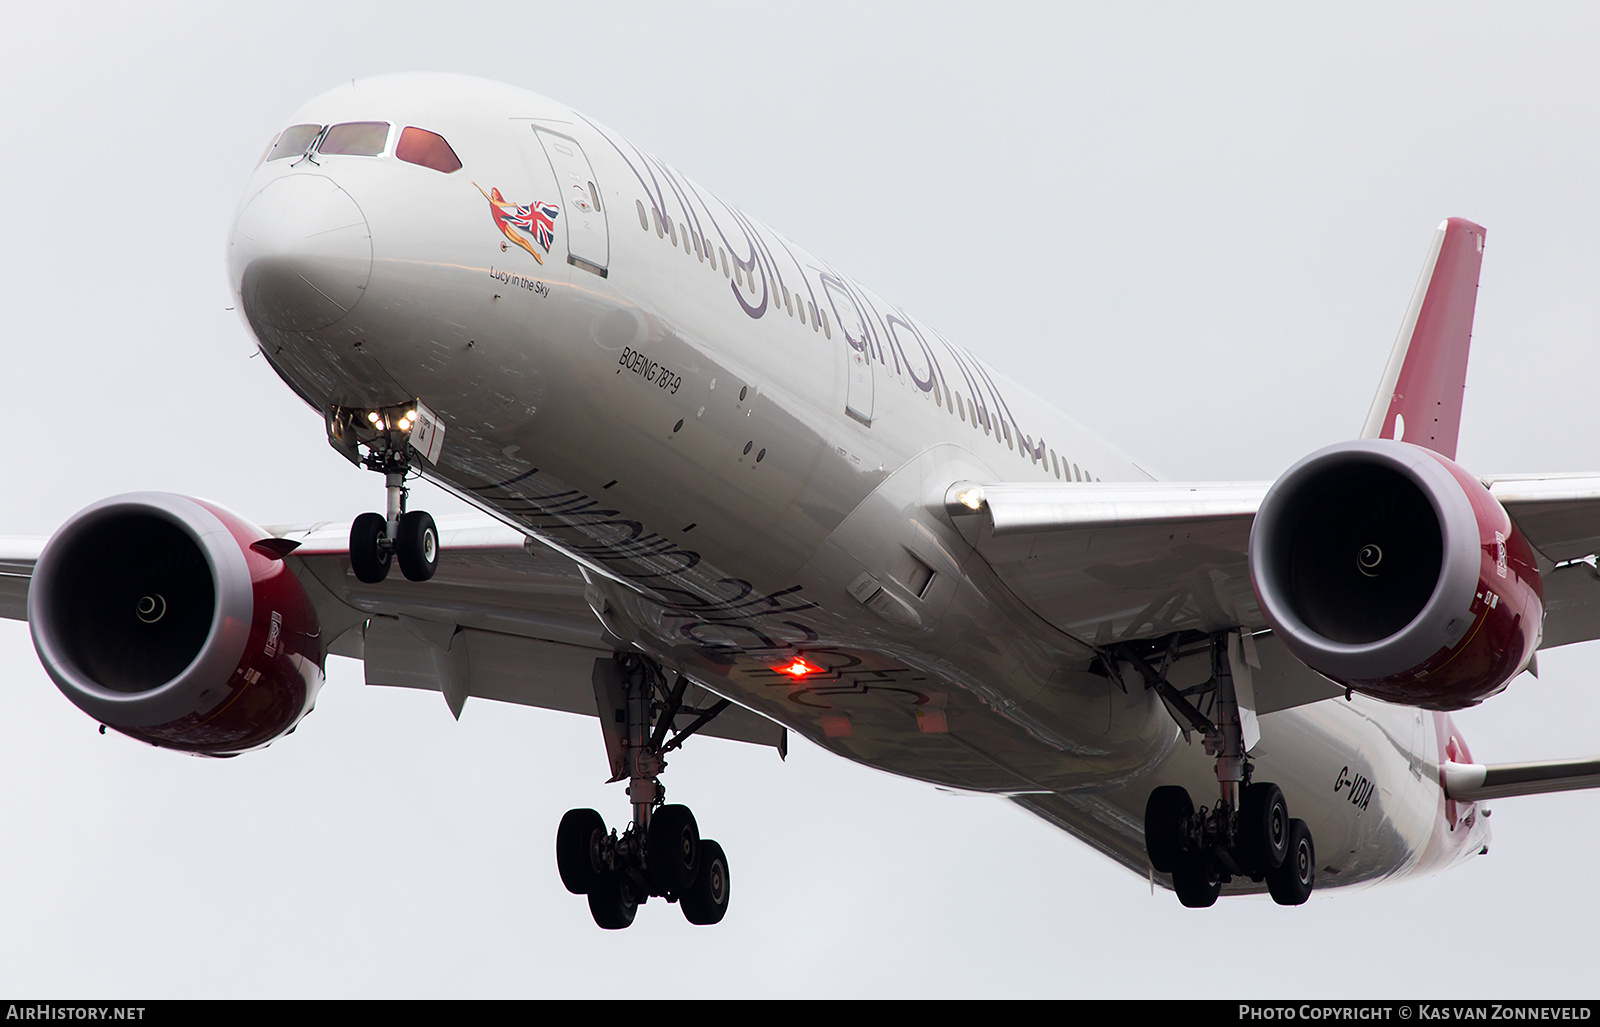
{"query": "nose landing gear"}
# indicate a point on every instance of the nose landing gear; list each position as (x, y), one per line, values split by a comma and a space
(660, 854)
(390, 436)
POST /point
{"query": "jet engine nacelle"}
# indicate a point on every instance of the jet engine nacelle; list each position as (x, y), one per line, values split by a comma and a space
(1389, 569)
(177, 623)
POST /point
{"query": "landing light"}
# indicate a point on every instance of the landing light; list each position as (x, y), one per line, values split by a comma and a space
(972, 498)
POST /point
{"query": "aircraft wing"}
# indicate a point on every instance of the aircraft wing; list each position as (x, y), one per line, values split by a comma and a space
(1112, 562)
(1117, 562)
(500, 619)
(17, 557)
(1560, 515)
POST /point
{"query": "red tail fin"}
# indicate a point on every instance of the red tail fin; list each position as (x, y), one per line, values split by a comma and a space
(1419, 399)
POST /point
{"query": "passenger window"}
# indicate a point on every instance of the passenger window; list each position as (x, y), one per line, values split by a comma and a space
(813, 317)
(426, 149)
(594, 194)
(357, 139)
(644, 222)
(722, 255)
(825, 329)
(295, 141)
(672, 230)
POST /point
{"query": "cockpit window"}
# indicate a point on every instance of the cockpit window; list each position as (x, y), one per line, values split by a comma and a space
(419, 146)
(267, 152)
(295, 141)
(357, 138)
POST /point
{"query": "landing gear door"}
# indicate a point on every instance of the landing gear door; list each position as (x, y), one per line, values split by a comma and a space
(588, 244)
(858, 350)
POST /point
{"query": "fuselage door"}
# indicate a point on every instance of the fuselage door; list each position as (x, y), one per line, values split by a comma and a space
(588, 244)
(858, 351)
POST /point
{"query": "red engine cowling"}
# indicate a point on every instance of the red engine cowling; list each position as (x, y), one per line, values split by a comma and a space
(154, 615)
(1389, 569)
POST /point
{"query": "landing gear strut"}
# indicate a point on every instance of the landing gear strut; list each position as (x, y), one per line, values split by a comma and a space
(390, 436)
(1249, 832)
(660, 853)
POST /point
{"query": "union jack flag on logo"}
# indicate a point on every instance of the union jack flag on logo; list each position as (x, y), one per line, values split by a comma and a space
(537, 218)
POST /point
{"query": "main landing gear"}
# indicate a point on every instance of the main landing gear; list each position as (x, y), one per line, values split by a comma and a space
(1249, 832)
(390, 437)
(660, 854)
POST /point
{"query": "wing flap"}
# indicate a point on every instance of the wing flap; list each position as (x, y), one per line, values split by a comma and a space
(499, 620)
(1571, 605)
(526, 671)
(1558, 513)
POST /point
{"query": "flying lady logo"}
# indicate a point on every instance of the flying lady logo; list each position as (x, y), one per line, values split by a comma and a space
(537, 218)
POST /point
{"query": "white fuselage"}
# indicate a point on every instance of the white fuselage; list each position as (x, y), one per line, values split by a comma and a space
(748, 454)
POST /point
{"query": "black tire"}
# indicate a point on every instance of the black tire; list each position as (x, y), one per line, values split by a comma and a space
(1292, 883)
(1197, 882)
(672, 849)
(1263, 828)
(612, 901)
(706, 901)
(368, 558)
(578, 849)
(417, 546)
(1166, 813)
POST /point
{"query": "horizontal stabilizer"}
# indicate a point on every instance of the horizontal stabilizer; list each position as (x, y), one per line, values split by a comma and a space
(1469, 782)
(1419, 400)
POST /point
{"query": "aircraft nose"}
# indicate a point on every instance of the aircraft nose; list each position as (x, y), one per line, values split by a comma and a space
(301, 254)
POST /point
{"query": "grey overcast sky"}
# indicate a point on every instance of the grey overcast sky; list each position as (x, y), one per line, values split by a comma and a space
(1195, 227)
